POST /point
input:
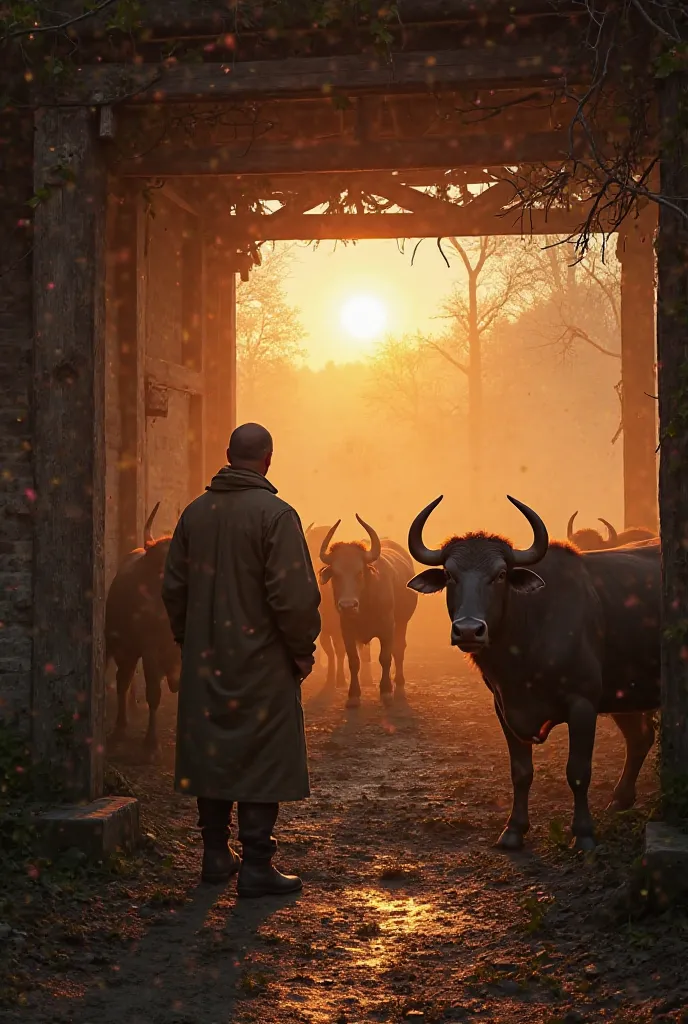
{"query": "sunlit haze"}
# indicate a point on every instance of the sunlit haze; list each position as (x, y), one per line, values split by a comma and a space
(323, 282)
(364, 317)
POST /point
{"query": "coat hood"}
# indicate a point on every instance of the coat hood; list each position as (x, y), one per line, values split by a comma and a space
(229, 479)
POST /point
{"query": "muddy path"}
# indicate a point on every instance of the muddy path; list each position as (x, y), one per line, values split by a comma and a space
(408, 912)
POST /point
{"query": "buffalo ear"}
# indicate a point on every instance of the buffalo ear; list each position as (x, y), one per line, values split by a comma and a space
(525, 581)
(432, 581)
(325, 574)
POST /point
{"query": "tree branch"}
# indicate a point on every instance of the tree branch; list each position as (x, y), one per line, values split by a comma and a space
(446, 355)
(63, 25)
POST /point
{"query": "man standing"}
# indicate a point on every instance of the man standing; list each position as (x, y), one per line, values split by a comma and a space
(242, 599)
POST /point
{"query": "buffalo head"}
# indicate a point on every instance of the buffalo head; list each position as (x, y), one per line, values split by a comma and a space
(589, 539)
(478, 571)
(346, 565)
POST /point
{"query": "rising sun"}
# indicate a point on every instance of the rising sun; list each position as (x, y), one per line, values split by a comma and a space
(363, 317)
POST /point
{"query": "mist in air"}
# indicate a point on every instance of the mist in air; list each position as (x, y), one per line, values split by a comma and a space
(383, 388)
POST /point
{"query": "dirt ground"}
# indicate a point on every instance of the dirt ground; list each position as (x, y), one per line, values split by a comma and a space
(408, 912)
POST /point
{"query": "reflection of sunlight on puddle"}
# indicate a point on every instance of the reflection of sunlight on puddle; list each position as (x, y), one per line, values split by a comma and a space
(398, 916)
(385, 919)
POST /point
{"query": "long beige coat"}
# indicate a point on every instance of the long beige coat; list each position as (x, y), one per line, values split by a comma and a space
(242, 598)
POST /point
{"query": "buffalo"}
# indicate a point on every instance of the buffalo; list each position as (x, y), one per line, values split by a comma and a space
(137, 629)
(372, 600)
(331, 639)
(578, 638)
(592, 540)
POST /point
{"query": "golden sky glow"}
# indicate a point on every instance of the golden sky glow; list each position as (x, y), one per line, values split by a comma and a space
(364, 317)
(323, 281)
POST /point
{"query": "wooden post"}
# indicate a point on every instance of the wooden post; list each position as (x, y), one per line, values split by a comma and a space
(230, 300)
(672, 346)
(131, 397)
(193, 354)
(228, 352)
(219, 357)
(69, 448)
(638, 408)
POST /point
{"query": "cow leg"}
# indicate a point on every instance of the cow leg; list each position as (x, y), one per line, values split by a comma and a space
(366, 671)
(582, 723)
(133, 702)
(638, 731)
(340, 651)
(153, 677)
(125, 676)
(386, 646)
(398, 650)
(521, 758)
(354, 699)
(328, 648)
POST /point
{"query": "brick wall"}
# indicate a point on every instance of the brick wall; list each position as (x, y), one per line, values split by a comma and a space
(16, 475)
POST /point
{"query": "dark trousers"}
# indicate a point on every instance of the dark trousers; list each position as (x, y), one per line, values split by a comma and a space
(256, 822)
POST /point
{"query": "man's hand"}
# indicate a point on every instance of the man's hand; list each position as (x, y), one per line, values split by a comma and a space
(305, 666)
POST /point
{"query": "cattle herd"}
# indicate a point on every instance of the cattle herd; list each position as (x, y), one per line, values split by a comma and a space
(560, 632)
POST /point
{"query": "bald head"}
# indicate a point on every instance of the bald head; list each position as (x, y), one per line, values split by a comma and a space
(250, 447)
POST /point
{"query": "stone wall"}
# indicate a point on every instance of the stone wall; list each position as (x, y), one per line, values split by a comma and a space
(16, 473)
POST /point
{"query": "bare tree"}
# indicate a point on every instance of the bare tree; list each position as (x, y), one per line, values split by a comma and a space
(269, 331)
(499, 283)
(405, 382)
(585, 295)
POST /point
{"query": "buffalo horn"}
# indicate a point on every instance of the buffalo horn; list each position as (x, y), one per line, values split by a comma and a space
(538, 549)
(324, 556)
(613, 537)
(147, 530)
(309, 528)
(569, 528)
(426, 556)
(375, 546)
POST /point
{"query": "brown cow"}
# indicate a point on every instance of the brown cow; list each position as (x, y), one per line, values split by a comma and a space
(370, 594)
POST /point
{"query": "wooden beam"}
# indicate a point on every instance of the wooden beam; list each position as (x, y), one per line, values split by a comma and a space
(174, 197)
(131, 405)
(173, 376)
(528, 63)
(260, 159)
(635, 250)
(69, 451)
(228, 338)
(190, 18)
(460, 222)
(672, 363)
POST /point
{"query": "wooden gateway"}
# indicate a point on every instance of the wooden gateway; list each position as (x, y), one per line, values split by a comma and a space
(221, 126)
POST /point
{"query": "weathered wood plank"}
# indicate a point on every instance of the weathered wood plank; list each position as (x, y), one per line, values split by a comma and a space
(482, 150)
(228, 353)
(311, 227)
(672, 362)
(69, 449)
(530, 64)
(637, 255)
(174, 197)
(174, 376)
(174, 18)
(142, 278)
(132, 415)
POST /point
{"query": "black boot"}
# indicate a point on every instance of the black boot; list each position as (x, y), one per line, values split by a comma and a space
(257, 876)
(220, 861)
